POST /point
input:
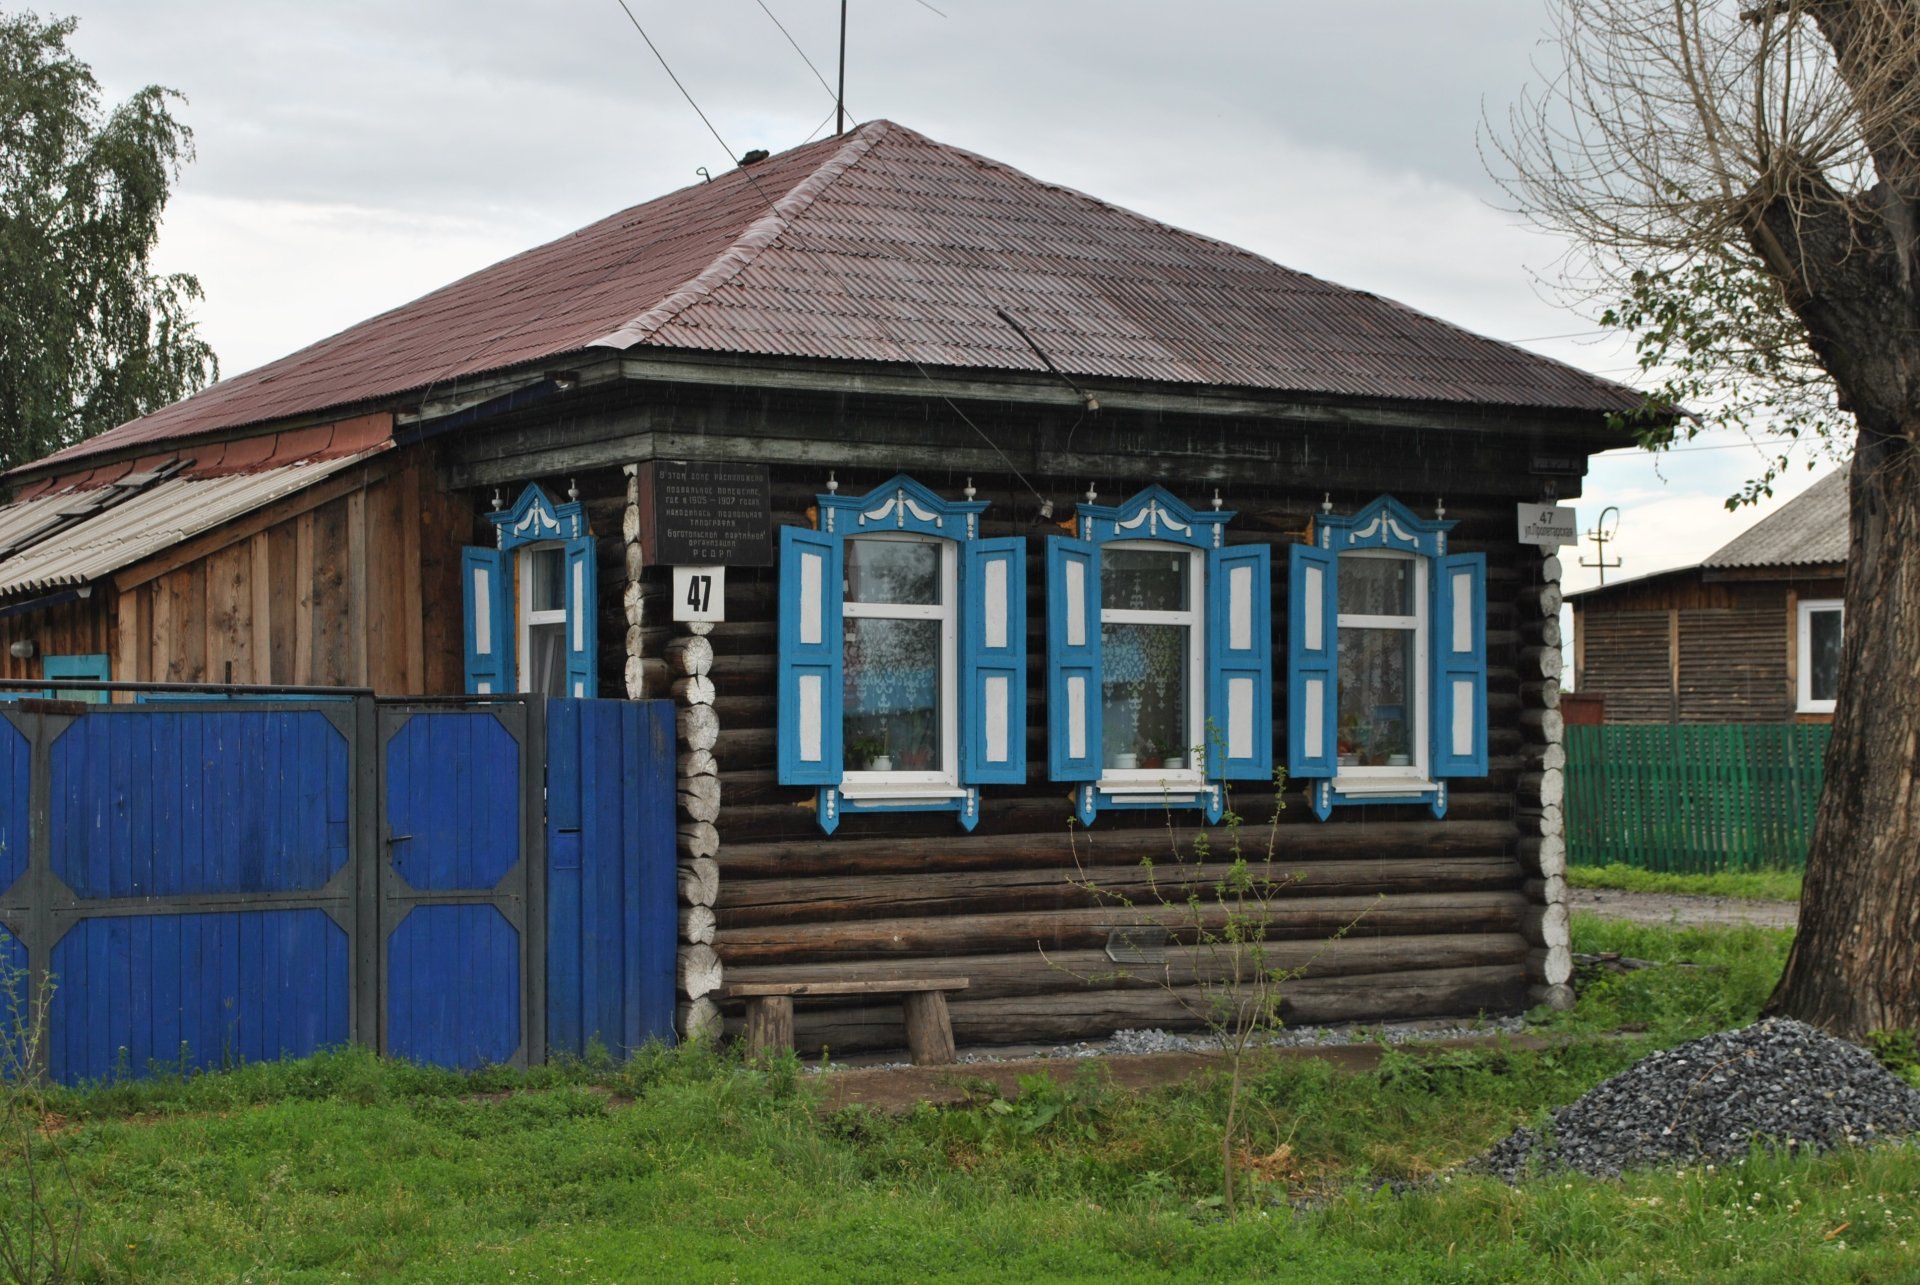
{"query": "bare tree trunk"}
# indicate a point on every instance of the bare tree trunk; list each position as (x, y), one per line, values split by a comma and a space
(1855, 966)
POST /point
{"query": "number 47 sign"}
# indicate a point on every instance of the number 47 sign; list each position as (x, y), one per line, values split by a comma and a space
(700, 594)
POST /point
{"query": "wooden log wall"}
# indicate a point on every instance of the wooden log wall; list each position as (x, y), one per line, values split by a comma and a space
(354, 581)
(1448, 915)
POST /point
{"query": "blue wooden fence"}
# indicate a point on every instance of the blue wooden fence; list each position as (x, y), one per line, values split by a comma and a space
(458, 883)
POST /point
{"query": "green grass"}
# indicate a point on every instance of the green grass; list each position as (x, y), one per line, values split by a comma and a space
(685, 1163)
(1759, 885)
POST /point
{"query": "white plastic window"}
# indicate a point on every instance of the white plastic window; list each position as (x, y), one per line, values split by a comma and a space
(1382, 716)
(543, 620)
(1821, 620)
(899, 730)
(1153, 684)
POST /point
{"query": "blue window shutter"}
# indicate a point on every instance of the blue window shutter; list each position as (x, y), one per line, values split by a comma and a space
(811, 690)
(993, 662)
(488, 621)
(583, 620)
(1239, 663)
(1460, 665)
(1073, 659)
(1313, 652)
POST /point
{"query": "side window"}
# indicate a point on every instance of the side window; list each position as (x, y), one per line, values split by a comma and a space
(902, 673)
(1158, 657)
(540, 571)
(899, 654)
(1387, 672)
(530, 604)
(1152, 698)
(95, 667)
(1382, 675)
(1820, 621)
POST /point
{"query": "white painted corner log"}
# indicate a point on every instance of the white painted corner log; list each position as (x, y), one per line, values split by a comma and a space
(699, 971)
(700, 1020)
(697, 924)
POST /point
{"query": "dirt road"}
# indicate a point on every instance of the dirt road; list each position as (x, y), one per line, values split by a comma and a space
(1668, 908)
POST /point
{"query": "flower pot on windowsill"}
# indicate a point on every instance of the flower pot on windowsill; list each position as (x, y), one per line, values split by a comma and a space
(1174, 762)
(1151, 761)
(1126, 762)
(880, 763)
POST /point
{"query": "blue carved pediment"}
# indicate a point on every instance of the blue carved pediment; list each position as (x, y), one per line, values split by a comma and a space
(534, 518)
(1384, 524)
(1153, 514)
(901, 504)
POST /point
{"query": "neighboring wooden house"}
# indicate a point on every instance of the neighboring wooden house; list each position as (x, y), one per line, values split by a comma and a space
(1749, 635)
(1067, 513)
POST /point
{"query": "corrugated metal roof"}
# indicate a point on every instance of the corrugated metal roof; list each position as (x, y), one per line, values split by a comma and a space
(1809, 529)
(886, 246)
(143, 525)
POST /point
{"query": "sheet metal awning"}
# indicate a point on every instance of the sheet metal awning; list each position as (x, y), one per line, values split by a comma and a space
(138, 527)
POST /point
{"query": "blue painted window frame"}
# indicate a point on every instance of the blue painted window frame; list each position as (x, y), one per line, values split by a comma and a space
(1236, 650)
(490, 605)
(990, 637)
(1456, 653)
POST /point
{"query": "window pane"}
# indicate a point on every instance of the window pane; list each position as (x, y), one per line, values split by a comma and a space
(547, 659)
(1376, 586)
(1143, 579)
(898, 571)
(1376, 696)
(893, 695)
(1823, 641)
(1144, 694)
(548, 591)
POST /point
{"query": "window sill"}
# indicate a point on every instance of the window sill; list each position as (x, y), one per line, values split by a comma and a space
(899, 792)
(1149, 783)
(1365, 785)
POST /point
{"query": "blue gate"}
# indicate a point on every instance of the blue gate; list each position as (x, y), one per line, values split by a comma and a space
(246, 879)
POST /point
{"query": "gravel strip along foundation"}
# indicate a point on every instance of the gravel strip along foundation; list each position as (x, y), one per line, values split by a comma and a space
(1779, 1083)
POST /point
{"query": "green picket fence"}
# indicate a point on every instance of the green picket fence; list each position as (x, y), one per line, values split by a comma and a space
(1694, 799)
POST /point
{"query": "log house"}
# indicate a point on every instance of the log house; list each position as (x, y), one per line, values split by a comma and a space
(449, 498)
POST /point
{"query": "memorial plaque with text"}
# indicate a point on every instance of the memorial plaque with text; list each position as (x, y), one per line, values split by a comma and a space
(706, 514)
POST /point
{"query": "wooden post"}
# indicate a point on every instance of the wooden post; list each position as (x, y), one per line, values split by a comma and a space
(632, 596)
(685, 666)
(1540, 790)
(929, 1028)
(770, 1025)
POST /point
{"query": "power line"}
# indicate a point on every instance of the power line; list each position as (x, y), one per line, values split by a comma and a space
(827, 262)
(797, 49)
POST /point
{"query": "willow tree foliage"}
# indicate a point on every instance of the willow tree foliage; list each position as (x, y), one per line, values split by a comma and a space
(90, 335)
(1741, 182)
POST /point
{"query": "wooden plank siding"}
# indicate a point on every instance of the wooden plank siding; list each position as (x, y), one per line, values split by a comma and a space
(1440, 905)
(343, 584)
(1694, 650)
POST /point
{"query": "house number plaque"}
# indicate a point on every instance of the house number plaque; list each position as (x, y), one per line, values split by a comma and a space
(705, 514)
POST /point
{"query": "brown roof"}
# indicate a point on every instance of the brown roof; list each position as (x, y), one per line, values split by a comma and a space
(885, 246)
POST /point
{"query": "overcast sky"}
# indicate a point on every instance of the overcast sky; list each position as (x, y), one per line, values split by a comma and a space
(354, 155)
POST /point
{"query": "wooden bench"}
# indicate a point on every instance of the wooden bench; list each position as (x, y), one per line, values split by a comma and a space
(924, 1001)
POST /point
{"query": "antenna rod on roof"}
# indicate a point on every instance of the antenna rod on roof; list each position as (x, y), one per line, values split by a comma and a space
(840, 96)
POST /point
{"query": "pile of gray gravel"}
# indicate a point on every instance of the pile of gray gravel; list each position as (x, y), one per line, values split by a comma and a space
(1780, 1083)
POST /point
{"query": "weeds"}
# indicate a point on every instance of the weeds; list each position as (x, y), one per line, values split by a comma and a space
(42, 1215)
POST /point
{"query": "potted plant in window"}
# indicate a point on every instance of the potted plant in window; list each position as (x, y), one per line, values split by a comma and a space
(872, 751)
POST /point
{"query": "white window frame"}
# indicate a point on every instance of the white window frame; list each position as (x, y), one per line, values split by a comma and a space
(523, 577)
(1804, 662)
(899, 785)
(1155, 782)
(1415, 777)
